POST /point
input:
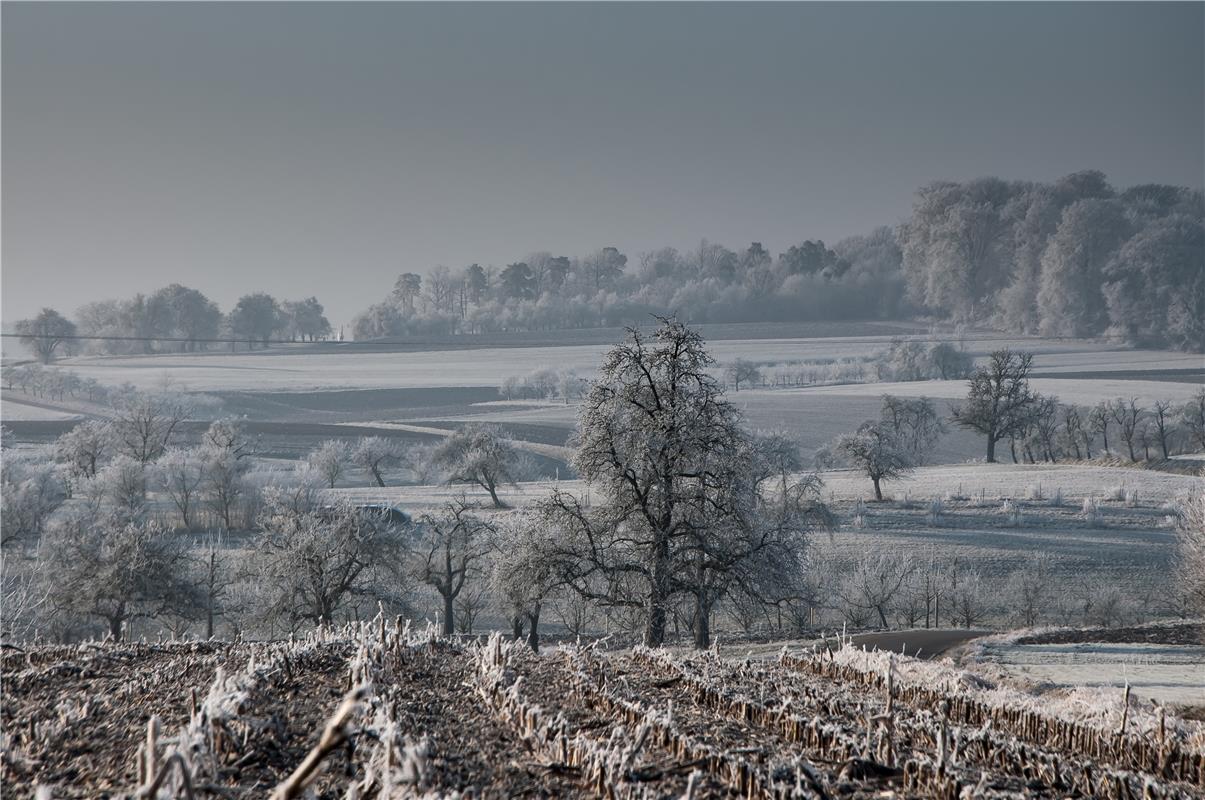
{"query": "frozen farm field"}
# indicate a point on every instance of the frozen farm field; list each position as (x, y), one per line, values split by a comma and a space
(343, 368)
(1075, 481)
(1168, 673)
(1078, 391)
(1123, 541)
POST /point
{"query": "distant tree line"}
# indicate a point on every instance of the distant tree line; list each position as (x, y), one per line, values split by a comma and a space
(172, 319)
(1075, 257)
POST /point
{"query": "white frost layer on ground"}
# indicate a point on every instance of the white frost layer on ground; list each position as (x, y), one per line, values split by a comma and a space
(349, 369)
(1013, 480)
(23, 412)
(1098, 706)
(1163, 672)
(997, 480)
(1078, 391)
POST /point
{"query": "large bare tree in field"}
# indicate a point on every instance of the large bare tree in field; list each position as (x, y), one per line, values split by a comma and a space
(999, 400)
(684, 513)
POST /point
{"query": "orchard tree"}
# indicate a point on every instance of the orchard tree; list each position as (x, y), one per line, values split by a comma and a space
(999, 399)
(1162, 424)
(480, 455)
(874, 450)
(45, 332)
(742, 371)
(118, 571)
(376, 453)
(1128, 416)
(146, 423)
(318, 561)
(84, 448)
(523, 572)
(226, 436)
(451, 546)
(684, 515)
(330, 460)
(914, 424)
(178, 474)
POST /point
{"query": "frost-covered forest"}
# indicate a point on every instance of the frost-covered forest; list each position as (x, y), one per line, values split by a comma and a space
(1076, 257)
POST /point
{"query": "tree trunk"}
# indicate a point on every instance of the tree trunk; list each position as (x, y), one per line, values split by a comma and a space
(702, 624)
(1130, 445)
(533, 633)
(448, 629)
(376, 473)
(654, 630)
(493, 495)
(882, 617)
(878, 492)
(1012, 448)
(516, 627)
(1163, 445)
(115, 628)
(991, 449)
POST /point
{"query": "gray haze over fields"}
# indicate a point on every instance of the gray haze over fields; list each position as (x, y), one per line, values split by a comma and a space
(322, 149)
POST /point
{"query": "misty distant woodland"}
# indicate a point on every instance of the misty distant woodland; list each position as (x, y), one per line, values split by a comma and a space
(1074, 258)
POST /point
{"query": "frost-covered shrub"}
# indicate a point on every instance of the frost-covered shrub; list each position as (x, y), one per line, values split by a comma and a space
(1131, 498)
(936, 509)
(1114, 493)
(1034, 492)
(1090, 511)
(1056, 499)
(859, 517)
(1012, 514)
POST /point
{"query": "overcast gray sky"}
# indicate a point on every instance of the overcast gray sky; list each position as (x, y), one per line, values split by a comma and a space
(324, 148)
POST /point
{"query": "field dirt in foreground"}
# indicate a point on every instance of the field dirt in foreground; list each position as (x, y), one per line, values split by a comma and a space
(380, 711)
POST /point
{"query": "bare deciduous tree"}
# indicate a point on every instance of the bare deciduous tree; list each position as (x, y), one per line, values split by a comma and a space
(84, 447)
(874, 451)
(1162, 425)
(914, 424)
(478, 454)
(1190, 566)
(742, 371)
(178, 473)
(146, 422)
(875, 584)
(315, 561)
(376, 453)
(118, 571)
(999, 398)
(330, 460)
(1127, 414)
(1193, 418)
(452, 544)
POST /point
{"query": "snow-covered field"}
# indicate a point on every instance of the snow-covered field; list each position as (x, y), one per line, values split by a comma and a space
(24, 412)
(280, 370)
(1079, 391)
(1167, 673)
(1014, 480)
